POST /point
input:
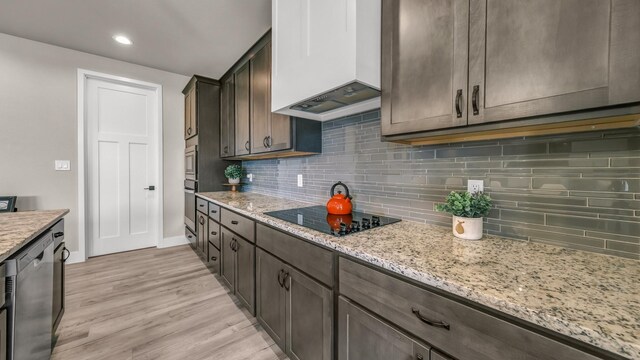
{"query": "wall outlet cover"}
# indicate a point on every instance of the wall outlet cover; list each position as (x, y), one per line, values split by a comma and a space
(474, 186)
(250, 176)
(299, 180)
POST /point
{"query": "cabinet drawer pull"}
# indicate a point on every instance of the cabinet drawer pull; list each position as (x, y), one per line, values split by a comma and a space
(284, 281)
(58, 234)
(234, 222)
(214, 233)
(419, 357)
(213, 258)
(475, 98)
(280, 279)
(458, 106)
(440, 324)
(201, 205)
(214, 211)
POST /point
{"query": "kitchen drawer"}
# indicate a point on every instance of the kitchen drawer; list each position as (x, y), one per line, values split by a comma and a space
(214, 233)
(238, 224)
(214, 212)
(213, 260)
(311, 259)
(191, 237)
(202, 205)
(455, 328)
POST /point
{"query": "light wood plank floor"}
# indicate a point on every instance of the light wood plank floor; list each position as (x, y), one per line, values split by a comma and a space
(155, 304)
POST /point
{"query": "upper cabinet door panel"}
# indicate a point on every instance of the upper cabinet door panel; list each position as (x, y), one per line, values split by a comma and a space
(424, 64)
(242, 86)
(538, 57)
(227, 118)
(261, 100)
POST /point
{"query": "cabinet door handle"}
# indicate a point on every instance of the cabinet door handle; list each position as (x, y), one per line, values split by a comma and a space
(189, 131)
(234, 222)
(213, 258)
(269, 141)
(64, 258)
(231, 245)
(226, 149)
(264, 142)
(475, 98)
(440, 324)
(246, 145)
(214, 233)
(458, 106)
(280, 279)
(284, 281)
(419, 357)
(201, 220)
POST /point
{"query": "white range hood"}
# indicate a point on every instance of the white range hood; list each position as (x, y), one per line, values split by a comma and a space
(326, 57)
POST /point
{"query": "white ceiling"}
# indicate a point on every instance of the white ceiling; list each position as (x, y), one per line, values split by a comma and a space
(203, 37)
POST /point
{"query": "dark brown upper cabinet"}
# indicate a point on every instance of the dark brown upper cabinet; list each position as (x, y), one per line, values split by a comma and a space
(469, 70)
(269, 131)
(242, 110)
(252, 130)
(424, 65)
(539, 57)
(227, 118)
(190, 114)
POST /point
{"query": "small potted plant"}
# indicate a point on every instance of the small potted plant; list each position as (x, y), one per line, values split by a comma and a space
(233, 173)
(467, 210)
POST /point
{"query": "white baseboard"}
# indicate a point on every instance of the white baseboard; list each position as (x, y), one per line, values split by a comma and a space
(75, 257)
(173, 241)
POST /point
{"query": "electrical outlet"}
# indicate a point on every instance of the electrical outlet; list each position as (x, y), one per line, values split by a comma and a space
(250, 176)
(474, 186)
(299, 180)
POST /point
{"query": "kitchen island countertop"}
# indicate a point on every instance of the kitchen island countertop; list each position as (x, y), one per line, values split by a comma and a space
(19, 228)
(589, 297)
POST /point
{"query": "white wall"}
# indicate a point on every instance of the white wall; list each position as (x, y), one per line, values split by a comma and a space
(38, 124)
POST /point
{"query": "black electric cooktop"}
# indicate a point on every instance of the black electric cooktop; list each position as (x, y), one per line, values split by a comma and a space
(317, 218)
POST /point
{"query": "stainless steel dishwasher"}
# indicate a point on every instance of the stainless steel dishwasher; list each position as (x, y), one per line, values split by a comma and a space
(30, 295)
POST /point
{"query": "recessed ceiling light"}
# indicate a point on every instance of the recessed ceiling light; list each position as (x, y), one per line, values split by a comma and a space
(122, 39)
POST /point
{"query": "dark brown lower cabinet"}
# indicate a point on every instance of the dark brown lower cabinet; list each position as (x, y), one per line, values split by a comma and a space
(295, 310)
(270, 295)
(227, 260)
(202, 226)
(58, 286)
(238, 267)
(362, 336)
(213, 258)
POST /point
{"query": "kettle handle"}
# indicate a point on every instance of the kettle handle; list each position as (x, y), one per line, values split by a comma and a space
(339, 183)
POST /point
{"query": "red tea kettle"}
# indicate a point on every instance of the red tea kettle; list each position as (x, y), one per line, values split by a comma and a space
(339, 204)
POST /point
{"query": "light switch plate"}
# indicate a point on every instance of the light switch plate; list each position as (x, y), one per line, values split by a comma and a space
(299, 180)
(63, 165)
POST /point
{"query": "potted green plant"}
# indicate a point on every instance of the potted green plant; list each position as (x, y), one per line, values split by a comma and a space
(468, 210)
(233, 173)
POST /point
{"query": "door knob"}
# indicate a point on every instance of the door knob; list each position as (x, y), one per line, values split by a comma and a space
(150, 188)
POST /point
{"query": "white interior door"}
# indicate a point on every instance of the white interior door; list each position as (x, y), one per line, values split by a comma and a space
(122, 160)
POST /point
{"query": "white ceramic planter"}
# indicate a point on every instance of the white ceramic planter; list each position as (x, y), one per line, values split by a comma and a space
(234, 181)
(467, 228)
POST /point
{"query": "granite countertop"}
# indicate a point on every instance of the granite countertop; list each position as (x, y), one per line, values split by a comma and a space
(18, 228)
(590, 297)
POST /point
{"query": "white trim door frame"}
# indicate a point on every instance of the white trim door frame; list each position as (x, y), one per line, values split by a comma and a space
(84, 238)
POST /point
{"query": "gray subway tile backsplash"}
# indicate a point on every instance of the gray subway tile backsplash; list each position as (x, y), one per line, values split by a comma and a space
(574, 190)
